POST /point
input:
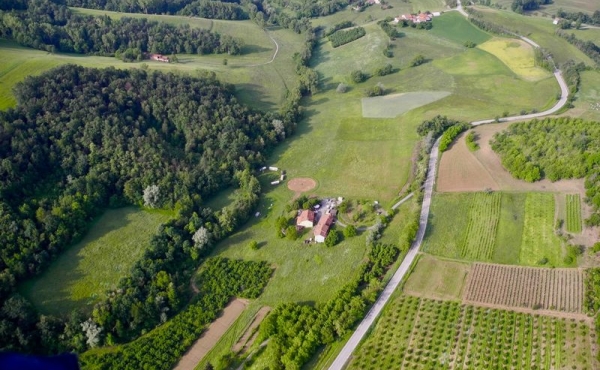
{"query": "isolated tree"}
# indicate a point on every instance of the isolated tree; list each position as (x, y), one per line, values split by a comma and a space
(332, 238)
(201, 238)
(417, 60)
(151, 196)
(342, 88)
(92, 332)
(253, 245)
(291, 233)
(358, 76)
(350, 231)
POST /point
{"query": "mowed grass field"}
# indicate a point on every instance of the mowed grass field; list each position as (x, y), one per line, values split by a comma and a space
(587, 102)
(517, 55)
(85, 271)
(418, 333)
(390, 106)
(507, 228)
(436, 278)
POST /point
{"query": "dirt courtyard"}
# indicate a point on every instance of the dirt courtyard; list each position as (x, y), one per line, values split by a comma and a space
(461, 170)
(301, 184)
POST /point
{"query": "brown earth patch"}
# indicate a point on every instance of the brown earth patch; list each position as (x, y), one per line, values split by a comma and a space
(251, 333)
(211, 336)
(301, 184)
(462, 170)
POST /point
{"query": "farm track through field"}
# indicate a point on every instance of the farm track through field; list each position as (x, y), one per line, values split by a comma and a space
(344, 355)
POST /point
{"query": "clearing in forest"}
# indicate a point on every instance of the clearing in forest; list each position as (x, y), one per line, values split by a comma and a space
(390, 106)
(526, 287)
(419, 333)
(82, 274)
(437, 278)
(573, 213)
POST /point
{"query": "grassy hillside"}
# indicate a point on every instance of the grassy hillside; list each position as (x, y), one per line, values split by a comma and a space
(85, 271)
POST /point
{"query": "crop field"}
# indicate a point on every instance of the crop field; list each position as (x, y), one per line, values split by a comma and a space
(507, 228)
(539, 240)
(534, 288)
(482, 227)
(454, 27)
(573, 213)
(419, 333)
(436, 278)
(390, 106)
(517, 55)
(84, 272)
(539, 29)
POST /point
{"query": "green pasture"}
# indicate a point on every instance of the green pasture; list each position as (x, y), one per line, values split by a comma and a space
(539, 29)
(573, 213)
(259, 82)
(419, 333)
(517, 55)
(587, 102)
(82, 274)
(437, 278)
(455, 27)
(390, 106)
(508, 228)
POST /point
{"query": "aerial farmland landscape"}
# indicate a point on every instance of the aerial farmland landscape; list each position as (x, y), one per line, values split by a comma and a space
(300, 184)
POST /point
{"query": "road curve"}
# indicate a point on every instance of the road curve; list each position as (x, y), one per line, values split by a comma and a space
(391, 286)
(365, 324)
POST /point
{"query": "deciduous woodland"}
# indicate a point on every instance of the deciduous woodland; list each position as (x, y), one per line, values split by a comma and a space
(51, 27)
(81, 140)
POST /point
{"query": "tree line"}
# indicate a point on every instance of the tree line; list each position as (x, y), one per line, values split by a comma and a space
(589, 48)
(47, 26)
(520, 6)
(580, 17)
(81, 140)
(343, 37)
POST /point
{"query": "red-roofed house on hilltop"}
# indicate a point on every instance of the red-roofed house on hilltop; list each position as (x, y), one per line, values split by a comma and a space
(322, 228)
(415, 18)
(306, 218)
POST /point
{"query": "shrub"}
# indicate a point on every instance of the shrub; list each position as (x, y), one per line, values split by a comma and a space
(358, 76)
(470, 44)
(342, 88)
(332, 238)
(417, 60)
(253, 245)
(376, 90)
(471, 143)
(450, 134)
(386, 70)
(349, 231)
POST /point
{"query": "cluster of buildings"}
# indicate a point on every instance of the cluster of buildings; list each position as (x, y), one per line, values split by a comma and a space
(326, 218)
(417, 18)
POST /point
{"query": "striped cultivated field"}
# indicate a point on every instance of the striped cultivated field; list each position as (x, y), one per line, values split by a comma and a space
(538, 288)
(480, 237)
(539, 240)
(573, 213)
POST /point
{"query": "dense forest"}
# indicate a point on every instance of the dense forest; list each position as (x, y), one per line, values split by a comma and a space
(521, 6)
(554, 148)
(51, 27)
(215, 10)
(81, 140)
(342, 37)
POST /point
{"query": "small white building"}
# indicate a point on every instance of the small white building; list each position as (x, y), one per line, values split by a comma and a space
(273, 169)
(276, 182)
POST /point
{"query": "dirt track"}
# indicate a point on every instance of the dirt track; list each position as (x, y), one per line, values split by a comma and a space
(210, 337)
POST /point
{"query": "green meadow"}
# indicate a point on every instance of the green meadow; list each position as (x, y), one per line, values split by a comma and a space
(82, 274)
(507, 228)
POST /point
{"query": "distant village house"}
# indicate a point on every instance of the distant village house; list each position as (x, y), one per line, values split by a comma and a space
(159, 58)
(414, 18)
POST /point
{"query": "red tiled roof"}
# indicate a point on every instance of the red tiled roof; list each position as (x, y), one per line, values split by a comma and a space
(306, 215)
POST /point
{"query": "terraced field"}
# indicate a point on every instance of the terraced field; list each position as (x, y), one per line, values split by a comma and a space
(418, 333)
(573, 213)
(536, 288)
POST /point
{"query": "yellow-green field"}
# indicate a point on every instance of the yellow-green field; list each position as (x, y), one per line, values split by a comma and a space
(85, 271)
(437, 278)
(517, 55)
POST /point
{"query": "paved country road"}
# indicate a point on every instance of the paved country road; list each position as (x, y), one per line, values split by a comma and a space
(368, 320)
(366, 323)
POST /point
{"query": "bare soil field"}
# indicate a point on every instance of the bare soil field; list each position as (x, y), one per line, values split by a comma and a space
(526, 287)
(212, 335)
(301, 184)
(251, 332)
(461, 170)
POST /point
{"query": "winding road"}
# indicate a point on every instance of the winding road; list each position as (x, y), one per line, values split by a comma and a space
(365, 324)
